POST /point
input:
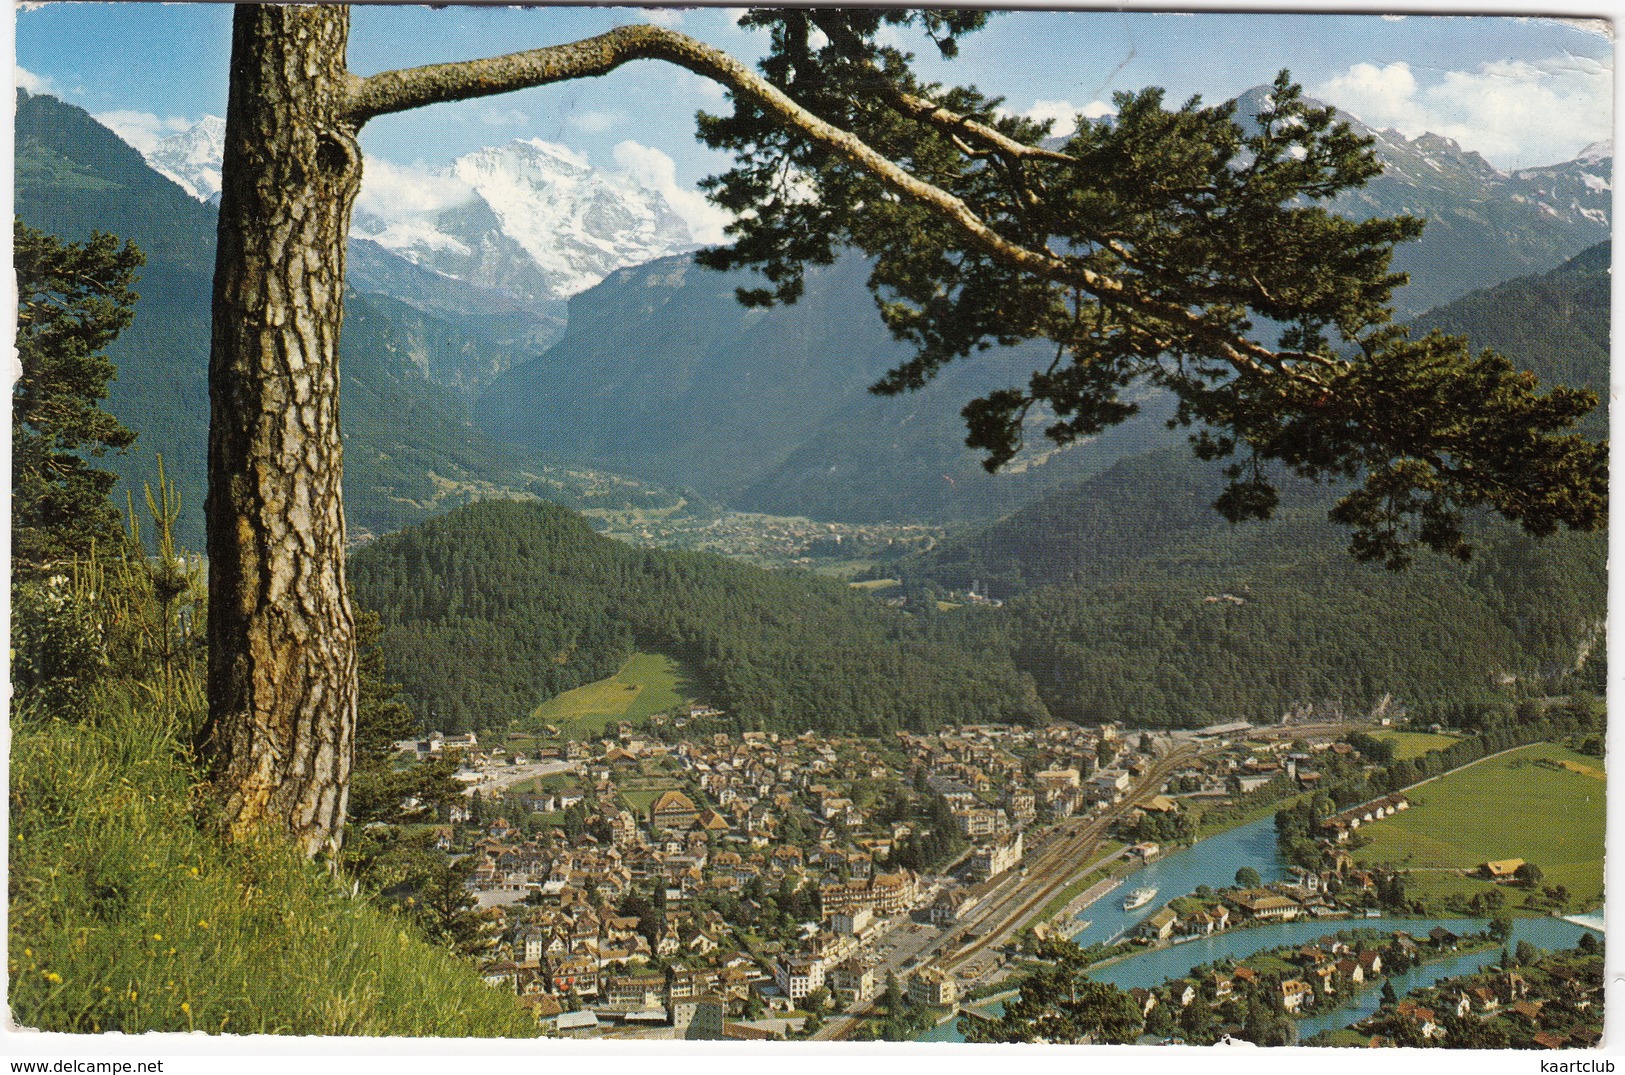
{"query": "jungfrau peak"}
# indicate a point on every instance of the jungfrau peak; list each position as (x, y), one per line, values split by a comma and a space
(530, 218)
(577, 223)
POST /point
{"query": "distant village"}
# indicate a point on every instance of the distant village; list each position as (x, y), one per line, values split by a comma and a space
(661, 881)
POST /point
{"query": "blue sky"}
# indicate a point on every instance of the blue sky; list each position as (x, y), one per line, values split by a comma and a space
(1521, 91)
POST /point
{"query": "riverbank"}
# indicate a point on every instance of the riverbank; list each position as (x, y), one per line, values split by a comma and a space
(1150, 968)
(1080, 892)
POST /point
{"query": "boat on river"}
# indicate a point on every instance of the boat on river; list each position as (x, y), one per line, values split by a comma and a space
(1139, 898)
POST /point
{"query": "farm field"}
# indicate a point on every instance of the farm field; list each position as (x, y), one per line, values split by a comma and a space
(1541, 803)
(648, 683)
(1408, 745)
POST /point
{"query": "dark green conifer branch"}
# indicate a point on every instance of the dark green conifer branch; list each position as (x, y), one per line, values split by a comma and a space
(1150, 248)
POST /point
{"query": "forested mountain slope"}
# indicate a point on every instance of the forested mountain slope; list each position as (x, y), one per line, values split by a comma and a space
(1251, 622)
(662, 374)
(409, 447)
(1119, 582)
(495, 607)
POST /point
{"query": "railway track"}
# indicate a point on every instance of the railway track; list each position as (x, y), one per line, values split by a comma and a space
(1053, 868)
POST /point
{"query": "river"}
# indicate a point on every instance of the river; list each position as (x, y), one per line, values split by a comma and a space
(1214, 862)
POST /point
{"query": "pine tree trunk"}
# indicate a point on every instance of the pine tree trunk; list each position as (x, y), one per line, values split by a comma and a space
(282, 673)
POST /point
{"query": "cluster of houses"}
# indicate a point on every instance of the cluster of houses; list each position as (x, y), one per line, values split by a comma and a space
(734, 794)
(998, 776)
(1317, 970)
(742, 815)
(1340, 826)
(1250, 765)
(1305, 896)
(1556, 1003)
(713, 825)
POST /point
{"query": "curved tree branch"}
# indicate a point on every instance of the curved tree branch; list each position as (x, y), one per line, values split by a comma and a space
(398, 91)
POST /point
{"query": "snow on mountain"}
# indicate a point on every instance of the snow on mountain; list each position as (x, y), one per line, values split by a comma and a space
(1598, 151)
(1484, 225)
(530, 217)
(1582, 186)
(577, 223)
(192, 158)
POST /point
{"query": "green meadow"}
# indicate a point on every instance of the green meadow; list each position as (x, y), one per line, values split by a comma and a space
(1541, 803)
(1408, 745)
(646, 684)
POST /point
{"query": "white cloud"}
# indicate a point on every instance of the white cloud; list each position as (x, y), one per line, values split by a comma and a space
(657, 171)
(33, 83)
(396, 192)
(1063, 114)
(1516, 113)
(143, 130)
(594, 122)
(1382, 96)
(504, 117)
(889, 36)
(662, 16)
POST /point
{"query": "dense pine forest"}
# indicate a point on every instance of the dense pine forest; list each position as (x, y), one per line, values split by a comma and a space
(1128, 597)
(495, 607)
(1249, 624)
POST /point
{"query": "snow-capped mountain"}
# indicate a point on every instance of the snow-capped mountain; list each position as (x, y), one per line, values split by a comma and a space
(192, 158)
(1583, 185)
(529, 218)
(1483, 225)
(578, 224)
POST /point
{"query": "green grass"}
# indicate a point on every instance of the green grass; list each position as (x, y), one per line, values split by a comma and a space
(1408, 745)
(648, 683)
(1512, 806)
(876, 584)
(128, 913)
(638, 800)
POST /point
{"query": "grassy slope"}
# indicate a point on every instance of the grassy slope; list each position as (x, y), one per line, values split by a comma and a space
(127, 914)
(1507, 807)
(1408, 745)
(646, 684)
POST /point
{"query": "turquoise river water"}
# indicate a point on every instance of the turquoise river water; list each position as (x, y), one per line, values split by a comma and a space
(1214, 862)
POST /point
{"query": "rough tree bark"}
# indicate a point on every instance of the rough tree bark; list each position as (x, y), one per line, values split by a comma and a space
(282, 691)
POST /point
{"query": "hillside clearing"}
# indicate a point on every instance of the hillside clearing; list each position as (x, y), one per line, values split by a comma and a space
(1408, 745)
(645, 684)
